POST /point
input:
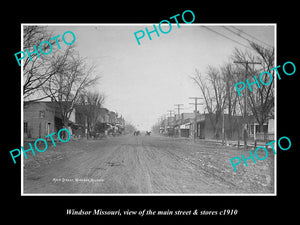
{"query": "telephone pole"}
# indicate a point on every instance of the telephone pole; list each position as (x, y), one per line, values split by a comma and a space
(195, 113)
(178, 133)
(165, 123)
(178, 108)
(245, 133)
(170, 111)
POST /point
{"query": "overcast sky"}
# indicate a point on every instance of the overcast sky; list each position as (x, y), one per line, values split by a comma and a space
(142, 82)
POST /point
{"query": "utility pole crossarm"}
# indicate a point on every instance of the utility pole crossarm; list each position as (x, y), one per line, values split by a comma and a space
(178, 108)
(196, 103)
(246, 62)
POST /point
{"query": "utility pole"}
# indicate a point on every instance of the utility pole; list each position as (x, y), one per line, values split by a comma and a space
(195, 113)
(245, 133)
(161, 124)
(178, 108)
(165, 123)
(179, 117)
(170, 111)
(223, 128)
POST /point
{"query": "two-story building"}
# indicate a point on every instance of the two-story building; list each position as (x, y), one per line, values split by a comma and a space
(42, 118)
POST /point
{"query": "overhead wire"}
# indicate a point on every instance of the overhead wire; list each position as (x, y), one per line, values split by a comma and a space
(236, 33)
(240, 30)
(226, 37)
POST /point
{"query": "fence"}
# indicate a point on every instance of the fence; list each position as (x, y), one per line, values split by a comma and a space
(265, 136)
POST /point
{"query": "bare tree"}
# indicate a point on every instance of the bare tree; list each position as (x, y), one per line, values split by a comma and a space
(90, 105)
(232, 98)
(218, 90)
(38, 70)
(213, 89)
(262, 103)
(261, 99)
(65, 86)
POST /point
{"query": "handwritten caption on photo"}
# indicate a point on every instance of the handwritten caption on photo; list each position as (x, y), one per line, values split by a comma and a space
(77, 180)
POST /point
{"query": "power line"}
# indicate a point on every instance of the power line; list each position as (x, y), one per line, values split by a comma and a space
(236, 33)
(242, 36)
(226, 37)
(240, 30)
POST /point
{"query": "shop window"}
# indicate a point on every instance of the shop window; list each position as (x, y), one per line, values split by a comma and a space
(26, 127)
(42, 114)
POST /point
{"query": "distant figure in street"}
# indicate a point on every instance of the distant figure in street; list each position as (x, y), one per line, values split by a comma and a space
(136, 133)
(148, 133)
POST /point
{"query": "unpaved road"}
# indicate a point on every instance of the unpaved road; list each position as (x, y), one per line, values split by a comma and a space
(130, 164)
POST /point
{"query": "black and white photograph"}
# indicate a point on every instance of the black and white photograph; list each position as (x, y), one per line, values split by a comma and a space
(145, 114)
(152, 109)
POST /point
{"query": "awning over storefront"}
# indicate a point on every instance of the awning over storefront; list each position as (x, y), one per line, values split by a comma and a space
(185, 126)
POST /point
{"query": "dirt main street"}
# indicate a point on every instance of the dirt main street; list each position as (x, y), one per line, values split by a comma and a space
(145, 164)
